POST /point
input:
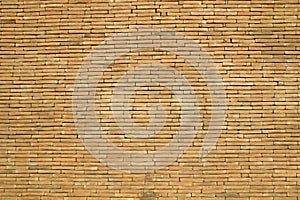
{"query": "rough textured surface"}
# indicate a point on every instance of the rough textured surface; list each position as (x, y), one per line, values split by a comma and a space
(256, 46)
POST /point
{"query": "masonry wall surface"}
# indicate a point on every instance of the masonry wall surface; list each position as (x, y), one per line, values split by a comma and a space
(255, 45)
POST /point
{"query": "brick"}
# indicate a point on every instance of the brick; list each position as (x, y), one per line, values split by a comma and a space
(256, 48)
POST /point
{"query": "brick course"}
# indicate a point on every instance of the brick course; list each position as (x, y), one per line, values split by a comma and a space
(255, 45)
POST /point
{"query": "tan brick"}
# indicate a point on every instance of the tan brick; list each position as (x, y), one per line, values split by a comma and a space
(255, 45)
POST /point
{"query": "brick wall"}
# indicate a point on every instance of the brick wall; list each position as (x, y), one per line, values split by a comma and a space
(255, 45)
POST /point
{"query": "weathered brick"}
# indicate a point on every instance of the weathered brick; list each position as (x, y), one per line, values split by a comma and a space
(256, 47)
